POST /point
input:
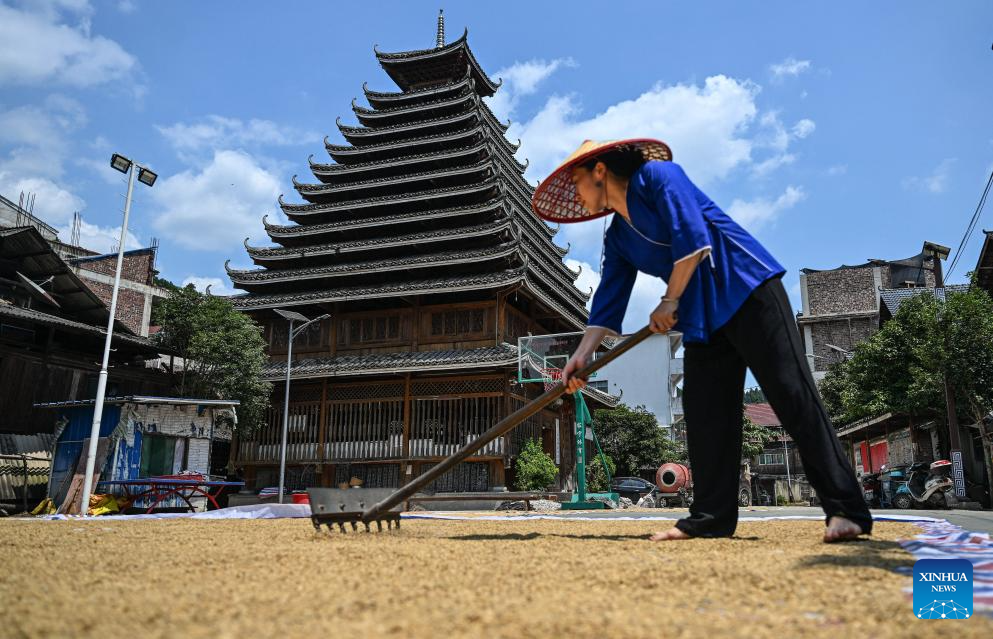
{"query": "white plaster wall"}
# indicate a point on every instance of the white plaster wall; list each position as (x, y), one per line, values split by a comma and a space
(644, 376)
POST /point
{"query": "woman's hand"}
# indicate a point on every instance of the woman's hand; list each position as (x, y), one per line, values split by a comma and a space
(578, 361)
(663, 318)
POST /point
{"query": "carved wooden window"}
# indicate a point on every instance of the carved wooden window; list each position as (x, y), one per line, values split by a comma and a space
(370, 329)
(458, 322)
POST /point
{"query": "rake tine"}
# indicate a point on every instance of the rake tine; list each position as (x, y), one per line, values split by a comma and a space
(341, 526)
(379, 526)
(366, 526)
(354, 526)
(398, 523)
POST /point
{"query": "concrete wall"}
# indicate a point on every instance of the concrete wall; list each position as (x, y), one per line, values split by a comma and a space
(647, 375)
(137, 421)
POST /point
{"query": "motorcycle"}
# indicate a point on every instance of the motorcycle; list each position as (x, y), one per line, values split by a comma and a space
(931, 486)
(871, 489)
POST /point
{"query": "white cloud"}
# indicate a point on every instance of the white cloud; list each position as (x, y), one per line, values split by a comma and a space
(837, 169)
(789, 67)
(103, 239)
(520, 79)
(803, 128)
(769, 165)
(936, 182)
(706, 126)
(216, 131)
(216, 284)
(753, 214)
(53, 203)
(39, 46)
(218, 206)
(126, 6)
(32, 139)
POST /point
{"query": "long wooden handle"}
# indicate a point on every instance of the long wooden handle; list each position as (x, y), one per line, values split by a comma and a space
(502, 427)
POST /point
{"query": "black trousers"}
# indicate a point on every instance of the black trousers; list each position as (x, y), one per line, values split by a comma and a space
(762, 336)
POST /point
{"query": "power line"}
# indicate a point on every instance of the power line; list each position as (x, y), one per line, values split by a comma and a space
(971, 227)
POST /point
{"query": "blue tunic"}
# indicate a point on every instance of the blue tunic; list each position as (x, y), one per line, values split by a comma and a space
(671, 219)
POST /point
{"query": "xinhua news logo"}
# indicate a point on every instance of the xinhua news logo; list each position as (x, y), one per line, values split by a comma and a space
(942, 589)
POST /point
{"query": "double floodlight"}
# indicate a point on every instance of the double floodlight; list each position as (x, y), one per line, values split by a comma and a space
(123, 165)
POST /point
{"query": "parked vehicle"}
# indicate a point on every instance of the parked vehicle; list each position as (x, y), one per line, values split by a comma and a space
(927, 486)
(634, 488)
(890, 481)
(871, 489)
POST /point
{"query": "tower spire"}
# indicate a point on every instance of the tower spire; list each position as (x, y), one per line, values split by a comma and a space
(440, 42)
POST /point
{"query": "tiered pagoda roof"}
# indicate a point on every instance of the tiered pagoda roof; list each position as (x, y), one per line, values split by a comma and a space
(426, 197)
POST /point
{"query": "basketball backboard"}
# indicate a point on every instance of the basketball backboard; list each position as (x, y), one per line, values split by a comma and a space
(539, 357)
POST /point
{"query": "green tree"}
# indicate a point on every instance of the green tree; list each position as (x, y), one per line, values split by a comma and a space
(902, 367)
(596, 478)
(222, 349)
(754, 396)
(754, 437)
(534, 468)
(633, 439)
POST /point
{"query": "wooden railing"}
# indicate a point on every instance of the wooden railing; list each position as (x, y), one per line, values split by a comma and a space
(369, 422)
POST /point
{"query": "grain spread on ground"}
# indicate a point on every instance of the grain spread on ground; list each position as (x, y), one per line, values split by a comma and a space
(523, 578)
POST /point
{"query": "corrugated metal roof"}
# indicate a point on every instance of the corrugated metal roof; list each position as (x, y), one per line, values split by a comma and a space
(15, 444)
(142, 399)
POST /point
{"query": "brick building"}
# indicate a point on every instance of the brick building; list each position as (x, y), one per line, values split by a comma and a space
(841, 306)
(137, 289)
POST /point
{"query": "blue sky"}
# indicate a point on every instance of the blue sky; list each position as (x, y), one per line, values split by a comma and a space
(836, 133)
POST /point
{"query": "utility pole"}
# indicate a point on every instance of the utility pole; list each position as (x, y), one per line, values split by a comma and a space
(939, 253)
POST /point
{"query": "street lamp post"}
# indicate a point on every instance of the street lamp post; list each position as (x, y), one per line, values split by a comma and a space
(292, 317)
(147, 177)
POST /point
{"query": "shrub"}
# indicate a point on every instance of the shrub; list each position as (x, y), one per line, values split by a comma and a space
(596, 478)
(534, 468)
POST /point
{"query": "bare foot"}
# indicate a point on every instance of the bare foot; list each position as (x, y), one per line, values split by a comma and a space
(841, 529)
(669, 535)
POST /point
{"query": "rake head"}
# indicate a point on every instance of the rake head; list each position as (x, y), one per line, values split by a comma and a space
(340, 507)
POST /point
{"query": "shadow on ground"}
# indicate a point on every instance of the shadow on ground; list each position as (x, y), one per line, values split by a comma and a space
(863, 553)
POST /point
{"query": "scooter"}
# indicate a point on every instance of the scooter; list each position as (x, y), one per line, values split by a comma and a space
(933, 488)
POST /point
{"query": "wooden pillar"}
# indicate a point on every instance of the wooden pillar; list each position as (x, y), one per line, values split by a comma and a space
(405, 442)
(496, 317)
(322, 420)
(415, 328)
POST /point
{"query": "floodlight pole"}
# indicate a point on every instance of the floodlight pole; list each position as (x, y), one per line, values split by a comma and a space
(286, 412)
(91, 453)
(286, 398)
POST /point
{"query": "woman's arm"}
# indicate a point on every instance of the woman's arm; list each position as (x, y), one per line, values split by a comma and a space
(583, 356)
(663, 318)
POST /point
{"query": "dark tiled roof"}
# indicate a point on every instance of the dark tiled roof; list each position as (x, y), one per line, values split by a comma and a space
(394, 63)
(379, 363)
(893, 297)
(385, 200)
(379, 220)
(365, 132)
(465, 95)
(355, 167)
(324, 188)
(504, 355)
(61, 322)
(489, 228)
(445, 258)
(413, 94)
(437, 285)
